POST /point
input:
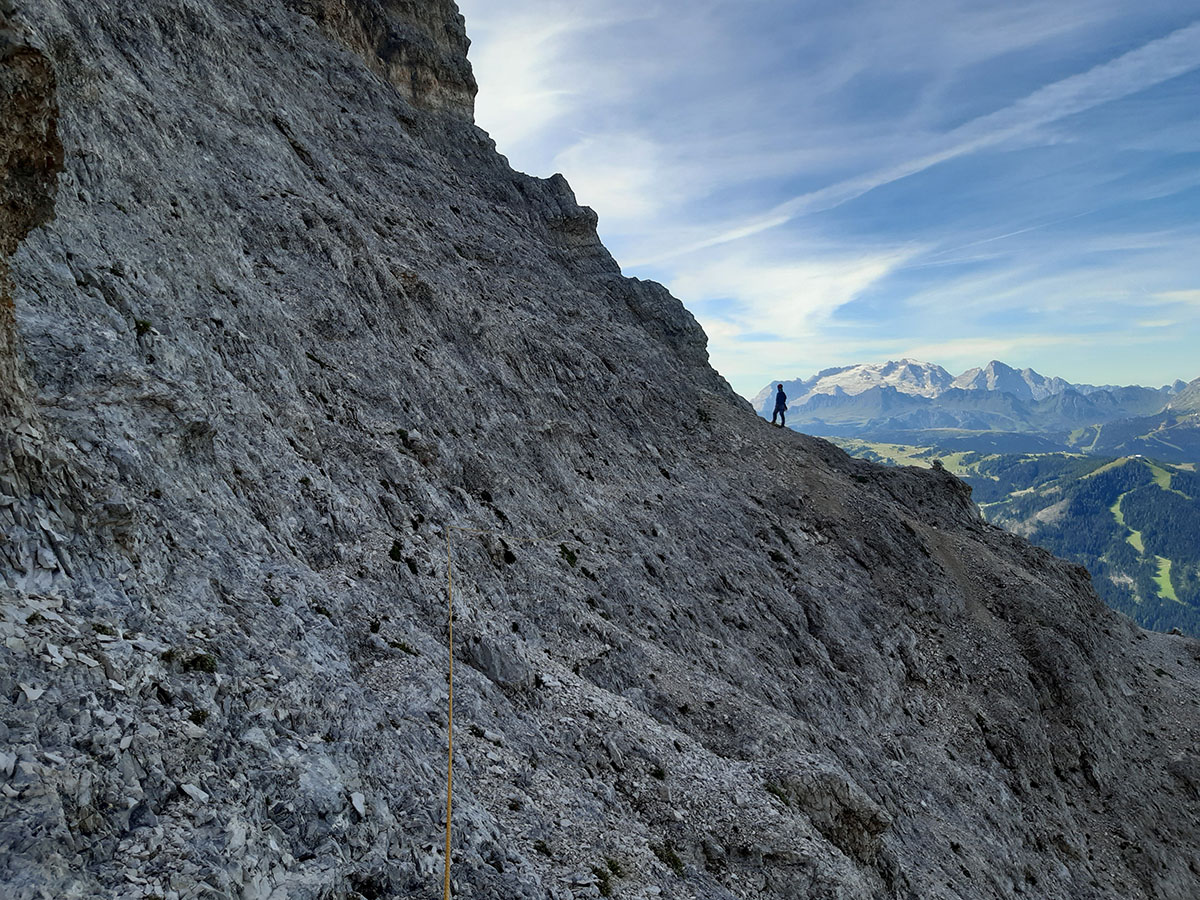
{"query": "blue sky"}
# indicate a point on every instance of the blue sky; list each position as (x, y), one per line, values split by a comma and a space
(824, 184)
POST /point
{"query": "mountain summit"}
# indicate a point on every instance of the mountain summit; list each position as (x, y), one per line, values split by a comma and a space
(298, 368)
(1187, 398)
(906, 375)
(1025, 384)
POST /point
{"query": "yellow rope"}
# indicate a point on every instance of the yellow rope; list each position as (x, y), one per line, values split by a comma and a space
(449, 720)
(450, 713)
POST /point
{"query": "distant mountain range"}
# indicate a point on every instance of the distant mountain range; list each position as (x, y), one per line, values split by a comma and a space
(993, 409)
(1105, 475)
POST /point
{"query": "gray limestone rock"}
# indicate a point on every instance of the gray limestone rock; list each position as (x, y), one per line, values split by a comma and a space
(281, 318)
(500, 659)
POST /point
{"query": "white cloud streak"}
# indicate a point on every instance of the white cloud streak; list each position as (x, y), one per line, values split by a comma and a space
(1135, 71)
(684, 130)
(1187, 298)
(757, 311)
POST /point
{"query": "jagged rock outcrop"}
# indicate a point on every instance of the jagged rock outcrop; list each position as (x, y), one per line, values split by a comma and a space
(419, 46)
(293, 326)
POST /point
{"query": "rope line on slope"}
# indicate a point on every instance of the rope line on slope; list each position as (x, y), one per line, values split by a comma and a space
(450, 674)
(449, 719)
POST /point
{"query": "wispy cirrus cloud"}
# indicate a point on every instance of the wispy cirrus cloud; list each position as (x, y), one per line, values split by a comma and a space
(1135, 71)
(1185, 298)
(761, 310)
(824, 185)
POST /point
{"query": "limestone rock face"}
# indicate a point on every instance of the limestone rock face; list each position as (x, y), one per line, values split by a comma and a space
(294, 332)
(30, 158)
(34, 477)
(419, 46)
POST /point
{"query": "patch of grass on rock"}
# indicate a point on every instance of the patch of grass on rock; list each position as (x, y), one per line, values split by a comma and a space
(668, 856)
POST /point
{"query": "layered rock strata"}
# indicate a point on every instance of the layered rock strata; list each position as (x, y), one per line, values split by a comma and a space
(297, 329)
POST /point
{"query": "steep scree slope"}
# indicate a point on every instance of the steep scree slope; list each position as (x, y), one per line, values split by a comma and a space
(293, 316)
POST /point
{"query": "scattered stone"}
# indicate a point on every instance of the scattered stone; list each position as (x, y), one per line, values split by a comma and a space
(32, 693)
(194, 792)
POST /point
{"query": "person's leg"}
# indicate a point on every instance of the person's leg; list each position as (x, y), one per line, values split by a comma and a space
(782, 419)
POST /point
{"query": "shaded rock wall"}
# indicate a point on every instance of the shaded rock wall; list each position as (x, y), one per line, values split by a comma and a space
(30, 158)
(34, 486)
(418, 46)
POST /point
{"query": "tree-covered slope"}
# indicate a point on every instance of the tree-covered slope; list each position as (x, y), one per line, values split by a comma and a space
(1132, 521)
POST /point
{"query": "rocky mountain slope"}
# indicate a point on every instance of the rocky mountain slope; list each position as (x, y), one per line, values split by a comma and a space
(1130, 521)
(284, 324)
(1187, 400)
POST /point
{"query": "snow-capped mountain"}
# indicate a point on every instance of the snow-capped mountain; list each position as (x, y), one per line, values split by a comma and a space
(908, 376)
(900, 398)
(1024, 383)
(923, 379)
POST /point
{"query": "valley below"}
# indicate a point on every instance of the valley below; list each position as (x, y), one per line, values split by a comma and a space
(1132, 521)
(1102, 475)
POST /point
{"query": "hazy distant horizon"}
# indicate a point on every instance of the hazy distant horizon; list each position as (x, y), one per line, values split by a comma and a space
(803, 373)
(956, 371)
(824, 186)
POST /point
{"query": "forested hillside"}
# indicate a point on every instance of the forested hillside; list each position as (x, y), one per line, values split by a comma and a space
(1132, 521)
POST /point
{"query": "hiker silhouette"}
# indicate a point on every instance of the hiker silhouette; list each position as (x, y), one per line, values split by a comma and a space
(780, 407)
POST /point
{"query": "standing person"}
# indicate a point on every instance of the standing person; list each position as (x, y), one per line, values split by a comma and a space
(780, 407)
